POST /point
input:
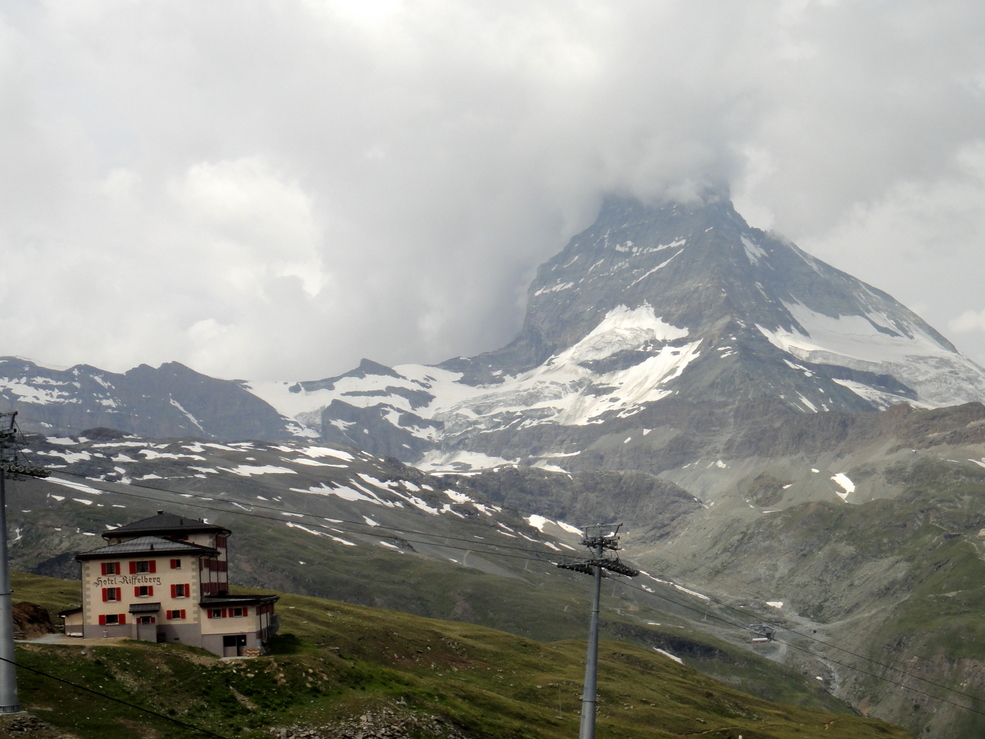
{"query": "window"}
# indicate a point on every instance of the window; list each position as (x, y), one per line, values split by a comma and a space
(112, 594)
(176, 615)
(239, 612)
(143, 591)
(175, 564)
(113, 619)
(110, 568)
(143, 566)
(215, 613)
(182, 590)
(146, 619)
(220, 541)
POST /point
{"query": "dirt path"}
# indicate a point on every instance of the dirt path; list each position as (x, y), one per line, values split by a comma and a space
(76, 641)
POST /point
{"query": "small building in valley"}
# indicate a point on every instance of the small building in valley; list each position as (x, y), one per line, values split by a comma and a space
(164, 579)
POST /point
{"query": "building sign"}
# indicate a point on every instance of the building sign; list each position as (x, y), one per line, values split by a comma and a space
(117, 580)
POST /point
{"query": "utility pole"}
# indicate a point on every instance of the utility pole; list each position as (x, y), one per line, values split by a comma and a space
(11, 466)
(598, 539)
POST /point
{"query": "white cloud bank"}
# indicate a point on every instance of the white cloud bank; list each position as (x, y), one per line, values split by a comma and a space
(273, 190)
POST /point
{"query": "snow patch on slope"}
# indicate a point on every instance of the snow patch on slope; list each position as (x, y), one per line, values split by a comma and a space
(846, 484)
(877, 343)
(565, 390)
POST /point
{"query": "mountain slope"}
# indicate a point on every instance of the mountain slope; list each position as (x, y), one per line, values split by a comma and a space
(171, 401)
(649, 316)
(654, 316)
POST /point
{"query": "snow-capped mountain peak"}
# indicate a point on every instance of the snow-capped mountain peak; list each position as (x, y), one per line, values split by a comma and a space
(645, 339)
(651, 303)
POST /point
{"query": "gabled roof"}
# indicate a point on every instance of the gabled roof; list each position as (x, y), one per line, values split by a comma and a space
(147, 545)
(162, 524)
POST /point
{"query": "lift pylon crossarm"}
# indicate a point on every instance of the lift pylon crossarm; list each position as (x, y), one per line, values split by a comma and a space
(614, 565)
(587, 566)
(601, 542)
(584, 567)
(10, 460)
(24, 469)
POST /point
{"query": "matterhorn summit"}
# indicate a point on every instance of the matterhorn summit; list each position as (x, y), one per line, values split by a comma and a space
(657, 319)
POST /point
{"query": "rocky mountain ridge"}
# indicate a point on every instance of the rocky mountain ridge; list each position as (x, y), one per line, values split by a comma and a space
(655, 316)
(649, 317)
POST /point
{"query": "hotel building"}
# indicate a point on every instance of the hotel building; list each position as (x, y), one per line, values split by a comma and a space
(164, 579)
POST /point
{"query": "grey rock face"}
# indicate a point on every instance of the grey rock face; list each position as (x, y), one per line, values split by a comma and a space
(676, 320)
(648, 337)
(171, 401)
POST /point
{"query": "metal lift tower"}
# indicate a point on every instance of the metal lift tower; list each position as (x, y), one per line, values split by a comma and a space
(11, 467)
(598, 538)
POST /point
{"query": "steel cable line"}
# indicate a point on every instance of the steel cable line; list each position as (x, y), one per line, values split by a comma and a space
(367, 528)
(833, 645)
(261, 506)
(853, 668)
(539, 559)
(819, 640)
(207, 732)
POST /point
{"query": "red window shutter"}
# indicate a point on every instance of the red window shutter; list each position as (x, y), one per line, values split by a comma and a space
(102, 568)
(102, 620)
(150, 590)
(208, 613)
(105, 594)
(188, 590)
(174, 563)
(224, 613)
(182, 612)
(123, 618)
(153, 565)
(136, 591)
(174, 591)
(246, 611)
(133, 568)
(119, 593)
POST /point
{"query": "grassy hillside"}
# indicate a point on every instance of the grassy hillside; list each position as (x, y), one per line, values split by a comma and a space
(338, 665)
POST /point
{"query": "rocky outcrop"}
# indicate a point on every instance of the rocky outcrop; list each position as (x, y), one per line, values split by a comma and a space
(385, 723)
(31, 621)
(14, 726)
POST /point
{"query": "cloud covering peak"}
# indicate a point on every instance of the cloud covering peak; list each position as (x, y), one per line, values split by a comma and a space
(276, 189)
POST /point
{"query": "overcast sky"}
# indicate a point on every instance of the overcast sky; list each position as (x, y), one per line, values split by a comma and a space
(273, 189)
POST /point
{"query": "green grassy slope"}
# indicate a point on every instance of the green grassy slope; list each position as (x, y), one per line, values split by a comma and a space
(335, 662)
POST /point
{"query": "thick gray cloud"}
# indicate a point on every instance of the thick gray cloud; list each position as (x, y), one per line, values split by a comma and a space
(273, 190)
